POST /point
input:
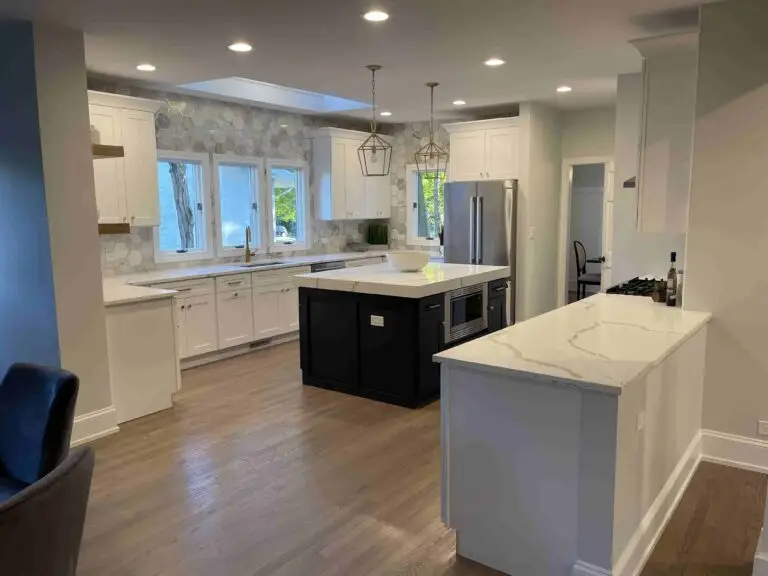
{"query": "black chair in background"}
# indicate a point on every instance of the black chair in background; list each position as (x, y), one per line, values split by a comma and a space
(583, 279)
(37, 410)
(41, 527)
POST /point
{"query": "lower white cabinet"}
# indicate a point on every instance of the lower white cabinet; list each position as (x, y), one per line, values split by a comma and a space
(267, 319)
(234, 315)
(196, 325)
(289, 309)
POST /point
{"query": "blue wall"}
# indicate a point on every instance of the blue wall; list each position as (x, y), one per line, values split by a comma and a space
(28, 330)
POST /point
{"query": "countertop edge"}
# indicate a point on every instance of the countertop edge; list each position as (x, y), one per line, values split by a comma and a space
(140, 299)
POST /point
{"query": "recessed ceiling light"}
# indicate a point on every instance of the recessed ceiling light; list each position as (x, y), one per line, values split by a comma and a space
(240, 47)
(459, 102)
(564, 89)
(386, 113)
(494, 62)
(376, 16)
(283, 125)
(146, 68)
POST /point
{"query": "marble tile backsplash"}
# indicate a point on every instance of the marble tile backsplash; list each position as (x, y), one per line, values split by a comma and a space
(193, 124)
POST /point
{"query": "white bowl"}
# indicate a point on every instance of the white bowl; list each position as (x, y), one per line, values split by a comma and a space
(408, 260)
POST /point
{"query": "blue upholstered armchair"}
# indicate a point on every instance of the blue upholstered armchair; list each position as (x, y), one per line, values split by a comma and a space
(37, 408)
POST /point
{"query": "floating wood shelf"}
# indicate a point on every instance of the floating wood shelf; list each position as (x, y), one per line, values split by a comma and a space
(101, 151)
(114, 228)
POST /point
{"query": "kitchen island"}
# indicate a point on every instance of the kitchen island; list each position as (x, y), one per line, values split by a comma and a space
(372, 331)
(568, 438)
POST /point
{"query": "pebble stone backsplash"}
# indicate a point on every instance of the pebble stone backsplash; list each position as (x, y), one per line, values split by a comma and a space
(193, 124)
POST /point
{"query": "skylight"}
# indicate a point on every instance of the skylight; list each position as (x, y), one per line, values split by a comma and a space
(273, 95)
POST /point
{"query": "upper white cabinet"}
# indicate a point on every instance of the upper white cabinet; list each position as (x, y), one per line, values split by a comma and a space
(484, 150)
(341, 191)
(126, 188)
(670, 71)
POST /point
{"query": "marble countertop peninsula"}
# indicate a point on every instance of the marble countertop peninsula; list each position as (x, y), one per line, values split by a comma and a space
(602, 343)
(383, 280)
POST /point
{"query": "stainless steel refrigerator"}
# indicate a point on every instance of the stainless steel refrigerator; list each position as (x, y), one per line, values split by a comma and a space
(480, 226)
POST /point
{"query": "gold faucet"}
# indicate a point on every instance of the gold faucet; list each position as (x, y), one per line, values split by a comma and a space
(247, 244)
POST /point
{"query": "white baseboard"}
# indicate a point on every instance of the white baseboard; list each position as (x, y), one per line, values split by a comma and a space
(195, 361)
(640, 546)
(94, 425)
(735, 451)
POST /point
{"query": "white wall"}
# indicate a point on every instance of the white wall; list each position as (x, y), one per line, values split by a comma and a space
(634, 253)
(588, 132)
(538, 210)
(728, 218)
(586, 224)
(71, 204)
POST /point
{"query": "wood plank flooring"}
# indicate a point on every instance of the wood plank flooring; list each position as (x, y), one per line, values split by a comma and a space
(253, 474)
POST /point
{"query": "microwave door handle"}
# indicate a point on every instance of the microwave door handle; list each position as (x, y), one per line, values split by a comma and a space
(472, 222)
(479, 231)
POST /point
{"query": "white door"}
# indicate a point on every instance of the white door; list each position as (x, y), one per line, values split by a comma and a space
(289, 309)
(502, 151)
(234, 313)
(267, 321)
(200, 324)
(141, 187)
(108, 174)
(355, 181)
(608, 192)
(467, 156)
(181, 327)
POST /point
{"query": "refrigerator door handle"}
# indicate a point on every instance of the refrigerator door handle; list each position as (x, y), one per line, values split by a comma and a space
(472, 231)
(479, 231)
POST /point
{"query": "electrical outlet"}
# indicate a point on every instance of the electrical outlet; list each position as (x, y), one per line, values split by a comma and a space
(762, 428)
(640, 421)
(532, 233)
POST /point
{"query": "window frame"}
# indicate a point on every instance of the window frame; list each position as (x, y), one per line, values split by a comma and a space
(412, 224)
(204, 160)
(302, 211)
(260, 198)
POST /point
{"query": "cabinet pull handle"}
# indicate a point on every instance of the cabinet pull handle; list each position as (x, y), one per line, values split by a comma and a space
(183, 289)
(235, 282)
(433, 307)
(499, 289)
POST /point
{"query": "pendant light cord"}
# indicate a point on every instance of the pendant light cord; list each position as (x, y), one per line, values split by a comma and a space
(373, 92)
(432, 113)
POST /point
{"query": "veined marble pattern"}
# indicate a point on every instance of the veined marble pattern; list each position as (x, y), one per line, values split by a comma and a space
(383, 280)
(603, 343)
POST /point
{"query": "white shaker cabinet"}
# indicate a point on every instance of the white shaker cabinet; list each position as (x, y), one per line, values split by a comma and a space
(198, 327)
(126, 188)
(670, 71)
(341, 191)
(484, 150)
(267, 321)
(289, 309)
(234, 310)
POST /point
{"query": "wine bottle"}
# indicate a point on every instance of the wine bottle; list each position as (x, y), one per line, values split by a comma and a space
(672, 281)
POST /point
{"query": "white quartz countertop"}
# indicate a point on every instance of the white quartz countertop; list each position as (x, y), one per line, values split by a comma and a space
(603, 342)
(128, 288)
(116, 292)
(383, 280)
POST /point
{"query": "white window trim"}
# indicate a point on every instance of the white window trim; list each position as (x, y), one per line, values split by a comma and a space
(205, 168)
(260, 199)
(303, 208)
(411, 193)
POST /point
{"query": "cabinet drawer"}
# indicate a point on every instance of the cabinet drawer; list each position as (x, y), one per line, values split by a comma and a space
(282, 276)
(497, 287)
(233, 282)
(199, 287)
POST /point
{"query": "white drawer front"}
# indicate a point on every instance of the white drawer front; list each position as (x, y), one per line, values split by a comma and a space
(282, 276)
(199, 287)
(233, 282)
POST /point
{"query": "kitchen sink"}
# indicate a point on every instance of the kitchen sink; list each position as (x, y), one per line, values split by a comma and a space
(264, 263)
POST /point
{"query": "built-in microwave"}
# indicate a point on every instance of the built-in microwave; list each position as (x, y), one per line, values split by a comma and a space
(466, 312)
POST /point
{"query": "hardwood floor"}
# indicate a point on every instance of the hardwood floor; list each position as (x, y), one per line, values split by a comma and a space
(253, 474)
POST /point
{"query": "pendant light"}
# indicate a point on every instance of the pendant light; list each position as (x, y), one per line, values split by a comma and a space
(375, 154)
(431, 159)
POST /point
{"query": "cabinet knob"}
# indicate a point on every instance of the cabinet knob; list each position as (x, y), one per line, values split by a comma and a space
(492, 308)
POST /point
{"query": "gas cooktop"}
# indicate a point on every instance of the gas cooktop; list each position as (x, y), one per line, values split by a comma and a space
(636, 287)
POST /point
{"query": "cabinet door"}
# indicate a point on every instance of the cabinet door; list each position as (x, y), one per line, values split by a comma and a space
(234, 315)
(496, 314)
(467, 156)
(267, 320)
(181, 327)
(108, 174)
(200, 324)
(141, 188)
(338, 180)
(354, 189)
(431, 341)
(289, 309)
(502, 149)
(377, 197)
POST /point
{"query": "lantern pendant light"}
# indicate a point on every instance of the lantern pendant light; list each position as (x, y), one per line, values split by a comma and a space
(431, 159)
(375, 154)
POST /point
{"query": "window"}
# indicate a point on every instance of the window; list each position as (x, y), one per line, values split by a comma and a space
(238, 184)
(184, 231)
(286, 194)
(425, 197)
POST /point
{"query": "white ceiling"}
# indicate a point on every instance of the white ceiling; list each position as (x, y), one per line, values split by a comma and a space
(324, 45)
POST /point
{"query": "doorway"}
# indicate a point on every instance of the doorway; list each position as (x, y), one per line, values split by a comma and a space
(586, 231)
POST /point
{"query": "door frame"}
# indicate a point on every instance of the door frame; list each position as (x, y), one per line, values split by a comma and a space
(565, 216)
